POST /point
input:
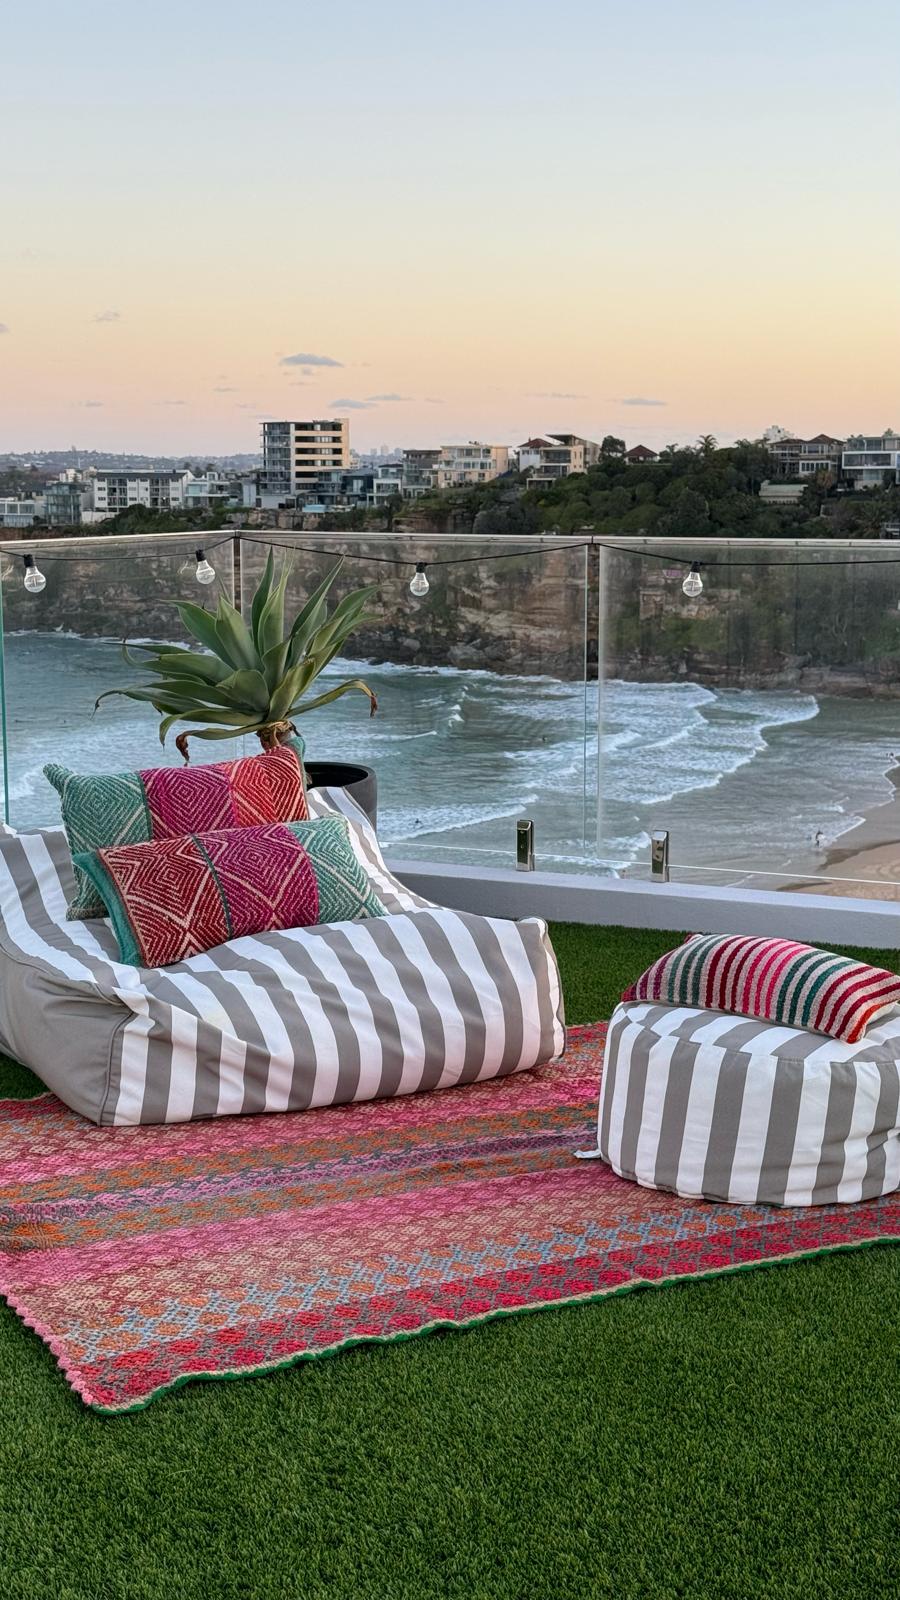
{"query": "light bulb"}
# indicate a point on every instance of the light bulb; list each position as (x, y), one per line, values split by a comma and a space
(34, 579)
(693, 583)
(205, 573)
(419, 584)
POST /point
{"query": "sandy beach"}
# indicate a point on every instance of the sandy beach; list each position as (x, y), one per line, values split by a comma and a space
(866, 861)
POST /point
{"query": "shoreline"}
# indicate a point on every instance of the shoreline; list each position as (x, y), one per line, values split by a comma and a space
(865, 861)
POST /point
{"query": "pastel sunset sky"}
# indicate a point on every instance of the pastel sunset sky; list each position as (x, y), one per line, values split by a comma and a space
(479, 220)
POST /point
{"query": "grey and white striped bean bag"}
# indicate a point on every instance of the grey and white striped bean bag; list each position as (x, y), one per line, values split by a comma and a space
(719, 1107)
(424, 998)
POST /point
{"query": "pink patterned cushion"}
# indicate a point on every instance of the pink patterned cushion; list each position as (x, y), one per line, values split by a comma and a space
(230, 794)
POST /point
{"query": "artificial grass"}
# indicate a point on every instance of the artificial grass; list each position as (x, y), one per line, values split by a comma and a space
(720, 1440)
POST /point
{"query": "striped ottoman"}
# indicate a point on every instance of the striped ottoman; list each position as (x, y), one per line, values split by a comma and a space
(718, 1107)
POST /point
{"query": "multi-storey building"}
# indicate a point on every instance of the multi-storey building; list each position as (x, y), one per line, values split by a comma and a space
(803, 458)
(63, 503)
(419, 472)
(113, 490)
(869, 461)
(18, 513)
(555, 455)
(470, 463)
(297, 454)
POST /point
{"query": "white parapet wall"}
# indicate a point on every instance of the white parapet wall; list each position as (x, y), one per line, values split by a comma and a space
(813, 918)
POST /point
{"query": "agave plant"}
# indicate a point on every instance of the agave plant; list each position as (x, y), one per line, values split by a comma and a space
(249, 679)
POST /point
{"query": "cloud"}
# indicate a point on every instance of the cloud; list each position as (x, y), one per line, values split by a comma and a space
(299, 383)
(247, 405)
(431, 401)
(90, 405)
(351, 405)
(224, 388)
(171, 402)
(554, 394)
(377, 399)
(638, 400)
(107, 316)
(304, 359)
(3, 328)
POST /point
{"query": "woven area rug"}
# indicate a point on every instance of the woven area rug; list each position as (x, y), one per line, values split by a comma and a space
(148, 1256)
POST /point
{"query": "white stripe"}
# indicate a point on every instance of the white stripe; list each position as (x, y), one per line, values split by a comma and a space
(278, 1042)
(182, 1067)
(26, 938)
(133, 1075)
(812, 1112)
(360, 1015)
(698, 1122)
(81, 933)
(862, 1121)
(658, 1063)
(752, 1130)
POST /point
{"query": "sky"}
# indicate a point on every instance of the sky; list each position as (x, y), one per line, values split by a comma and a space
(479, 221)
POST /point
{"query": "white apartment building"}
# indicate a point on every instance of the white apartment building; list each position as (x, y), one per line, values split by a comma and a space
(297, 454)
(871, 460)
(115, 490)
(19, 513)
(419, 472)
(555, 455)
(470, 463)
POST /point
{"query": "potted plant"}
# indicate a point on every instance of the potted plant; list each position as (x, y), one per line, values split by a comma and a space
(256, 678)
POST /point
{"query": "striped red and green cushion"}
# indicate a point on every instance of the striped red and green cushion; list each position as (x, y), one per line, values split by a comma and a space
(774, 980)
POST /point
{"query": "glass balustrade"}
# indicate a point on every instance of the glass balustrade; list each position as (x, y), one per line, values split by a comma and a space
(62, 648)
(757, 723)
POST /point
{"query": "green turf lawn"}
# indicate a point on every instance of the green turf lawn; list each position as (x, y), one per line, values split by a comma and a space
(727, 1439)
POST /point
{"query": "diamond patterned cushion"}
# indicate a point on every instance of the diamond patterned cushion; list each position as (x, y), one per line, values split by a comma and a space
(108, 809)
(173, 898)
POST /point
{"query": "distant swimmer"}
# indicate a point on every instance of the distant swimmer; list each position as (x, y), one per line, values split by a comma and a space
(818, 838)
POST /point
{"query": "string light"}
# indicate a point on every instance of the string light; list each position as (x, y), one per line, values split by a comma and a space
(419, 584)
(693, 583)
(34, 578)
(204, 573)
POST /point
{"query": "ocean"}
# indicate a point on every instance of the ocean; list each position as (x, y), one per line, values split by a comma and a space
(744, 781)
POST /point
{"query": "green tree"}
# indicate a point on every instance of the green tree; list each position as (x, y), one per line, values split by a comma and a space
(611, 447)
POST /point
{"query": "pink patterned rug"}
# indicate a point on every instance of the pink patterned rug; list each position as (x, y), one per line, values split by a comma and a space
(148, 1256)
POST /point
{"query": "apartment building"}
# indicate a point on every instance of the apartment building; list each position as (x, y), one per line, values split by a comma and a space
(18, 513)
(803, 458)
(555, 455)
(116, 490)
(419, 473)
(297, 454)
(460, 464)
(869, 461)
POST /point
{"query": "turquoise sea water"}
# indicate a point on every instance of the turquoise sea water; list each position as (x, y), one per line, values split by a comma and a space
(743, 780)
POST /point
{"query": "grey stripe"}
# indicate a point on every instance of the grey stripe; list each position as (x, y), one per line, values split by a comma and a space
(838, 1116)
(671, 1133)
(386, 1025)
(781, 1134)
(541, 956)
(54, 934)
(461, 987)
(723, 1131)
(242, 1020)
(159, 1064)
(611, 1063)
(301, 957)
(107, 1108)
(884, 1127)
(490, 948)
(207, 1070)
(634, 1104)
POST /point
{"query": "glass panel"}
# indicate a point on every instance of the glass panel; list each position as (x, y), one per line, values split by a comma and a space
(483, 715)
(63, 647)
(758, 724)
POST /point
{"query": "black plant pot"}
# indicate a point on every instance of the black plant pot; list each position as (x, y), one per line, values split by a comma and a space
(361, 783)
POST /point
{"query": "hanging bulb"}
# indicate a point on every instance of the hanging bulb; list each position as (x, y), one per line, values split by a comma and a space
(693, 583)
(204, 573)
(34, 579)
(419, 584)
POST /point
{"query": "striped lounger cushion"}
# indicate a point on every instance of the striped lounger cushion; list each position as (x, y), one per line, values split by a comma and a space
(423, 998)
(719, 1107)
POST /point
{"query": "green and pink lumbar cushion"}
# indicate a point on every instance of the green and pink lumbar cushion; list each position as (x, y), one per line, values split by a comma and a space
(169, 899)
(773, 980)
(103, 810)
